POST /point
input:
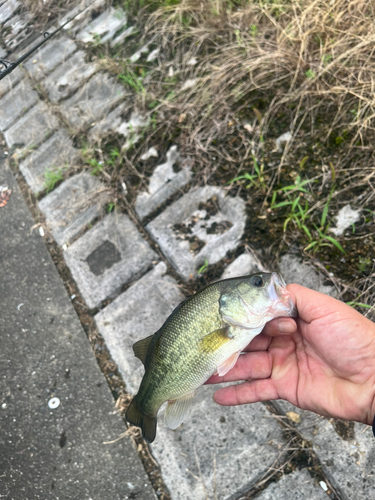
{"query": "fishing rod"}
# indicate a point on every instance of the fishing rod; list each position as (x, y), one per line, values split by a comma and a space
(10, 66)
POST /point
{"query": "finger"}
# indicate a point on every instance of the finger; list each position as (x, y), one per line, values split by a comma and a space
(259, 343)
(249, 366)
(248, 392)
(280, 326)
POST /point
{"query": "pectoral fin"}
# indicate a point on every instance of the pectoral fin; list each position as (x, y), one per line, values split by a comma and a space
(228, 364)
(214, 340)
(177, 411)
(140, 348)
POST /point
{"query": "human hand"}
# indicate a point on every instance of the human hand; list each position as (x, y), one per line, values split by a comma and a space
(323, 361)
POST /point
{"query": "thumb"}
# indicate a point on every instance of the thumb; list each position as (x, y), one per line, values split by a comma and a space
(280, 326)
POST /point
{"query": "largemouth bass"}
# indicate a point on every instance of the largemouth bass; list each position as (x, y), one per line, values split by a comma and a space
(204, 335)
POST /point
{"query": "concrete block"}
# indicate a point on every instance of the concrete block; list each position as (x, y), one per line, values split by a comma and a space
(8, 9)
(75, 203)
(298, 485)
(54, 53)
(16, 30)
(90, 102)
(137, 313)
(9, 82)
(86, 9)
(243, 265)
(164, 183)
(122, 36)
(32, 129)
(104, 26)
(115, 122)
(109, 256)
(345, 449)
(220, 452)
(15, 103)
(348, 463)
(68, 77)
(295, 271)
(57, 152)
(201, 226)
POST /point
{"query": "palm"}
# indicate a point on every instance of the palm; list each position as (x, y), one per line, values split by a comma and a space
(319, 367)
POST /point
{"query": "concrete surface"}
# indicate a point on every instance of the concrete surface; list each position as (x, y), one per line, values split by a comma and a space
(91, 101)
(54, 53)
(109, 256)
(52, 453)
(68, 77)
(54, 154)
(186, 232)
(165, 181)
(72, 206)
(15, 103)
(32, 129)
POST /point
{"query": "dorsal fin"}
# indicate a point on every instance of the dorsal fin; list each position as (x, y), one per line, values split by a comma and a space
(140, 348)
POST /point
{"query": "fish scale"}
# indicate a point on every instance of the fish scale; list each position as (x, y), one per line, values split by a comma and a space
(204, 334)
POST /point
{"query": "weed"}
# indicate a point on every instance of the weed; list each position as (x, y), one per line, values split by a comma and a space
(257, 180)
(203, 268)
(52, 177)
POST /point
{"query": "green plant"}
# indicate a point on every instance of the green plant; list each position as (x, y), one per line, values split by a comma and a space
(203, 268)
(52, 177)
(128, 77)
(257, 180)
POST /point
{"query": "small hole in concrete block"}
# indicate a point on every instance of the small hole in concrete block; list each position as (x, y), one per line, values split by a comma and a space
(103, 258)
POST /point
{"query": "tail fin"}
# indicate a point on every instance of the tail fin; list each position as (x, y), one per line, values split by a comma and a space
(147, 424)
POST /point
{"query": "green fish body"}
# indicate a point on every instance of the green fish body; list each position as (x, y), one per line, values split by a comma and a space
(205, 334)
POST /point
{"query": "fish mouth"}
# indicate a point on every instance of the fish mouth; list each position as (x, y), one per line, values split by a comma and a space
(280, 296)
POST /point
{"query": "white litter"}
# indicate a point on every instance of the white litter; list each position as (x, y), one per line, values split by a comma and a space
(192, 61)
(344, 219)
(151, 152)
(189, 84)
(41, 231)
(323, 485)
(53, 403)
(283, 138)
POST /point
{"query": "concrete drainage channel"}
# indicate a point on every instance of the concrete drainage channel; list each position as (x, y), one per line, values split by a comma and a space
(129, 276)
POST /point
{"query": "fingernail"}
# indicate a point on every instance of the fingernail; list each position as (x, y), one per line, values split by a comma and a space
(286, 326)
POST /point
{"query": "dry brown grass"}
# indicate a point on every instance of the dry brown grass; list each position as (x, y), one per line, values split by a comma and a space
(311, 55)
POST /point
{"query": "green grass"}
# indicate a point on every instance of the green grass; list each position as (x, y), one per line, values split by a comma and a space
(52, 177)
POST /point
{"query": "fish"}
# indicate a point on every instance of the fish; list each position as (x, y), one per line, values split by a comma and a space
(204, 335)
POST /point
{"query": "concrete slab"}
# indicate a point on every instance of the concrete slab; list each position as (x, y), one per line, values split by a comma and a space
(68, 77)
(53, 54)
(90, 102)
(16, 30)
(9, 82)
(15, 103)
(123, 35)
(164, 183)
(298, 485)
(348, 464)
(8, 9)
(243, 265)
(201, 226)
(295, 271)
(32, 129)
(109, 256)
(134, 315)
(220, 452)
(58, 452)
(87, 9)
(73, 205)
(57, 152)
(103, 27)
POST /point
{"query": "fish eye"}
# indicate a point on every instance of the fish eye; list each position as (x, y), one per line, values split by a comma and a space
(257, 281)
